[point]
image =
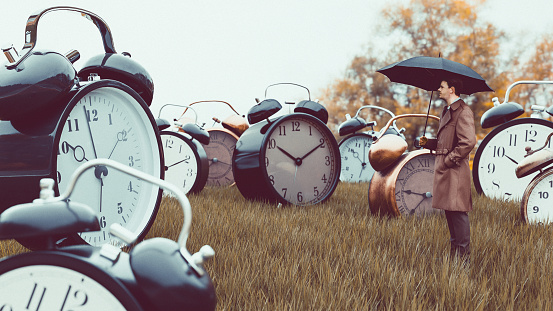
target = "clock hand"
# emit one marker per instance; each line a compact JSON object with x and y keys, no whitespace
{"x":121,"y":136}
{"x":287,"y":154}
{"x":90,"y":132}
{"x":100,"y":171}
{"x":312,"y":150}
{"x":167,"y":167}
{"x":75,"y":152}
{"x":411,"y":212}
{"x":215,"y":160}
{"x":508,"y":157}
{"x":356,"y":155}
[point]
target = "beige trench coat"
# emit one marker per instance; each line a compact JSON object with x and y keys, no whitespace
{"x":455,"y":140}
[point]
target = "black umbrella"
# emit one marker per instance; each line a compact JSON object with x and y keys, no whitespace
{"x":428,"y":72}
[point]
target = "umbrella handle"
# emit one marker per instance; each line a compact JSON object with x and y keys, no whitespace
{"x":403,"y":116}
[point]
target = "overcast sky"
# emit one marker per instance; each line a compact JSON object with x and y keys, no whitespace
{"x":232,"y":50}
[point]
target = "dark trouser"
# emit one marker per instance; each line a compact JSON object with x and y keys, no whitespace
{"x":459,"y":229}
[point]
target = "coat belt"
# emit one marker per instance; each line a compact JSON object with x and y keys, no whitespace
{"x":441,"y":151}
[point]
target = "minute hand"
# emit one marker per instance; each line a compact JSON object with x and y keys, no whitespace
{"x":312,"y":150}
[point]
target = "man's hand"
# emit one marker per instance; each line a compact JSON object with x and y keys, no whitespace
{"x":423,"y":140}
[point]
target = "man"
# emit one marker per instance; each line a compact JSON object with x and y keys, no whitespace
{"x":452,"y":183}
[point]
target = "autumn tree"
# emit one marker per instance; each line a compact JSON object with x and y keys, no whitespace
{"x":450,"y":29}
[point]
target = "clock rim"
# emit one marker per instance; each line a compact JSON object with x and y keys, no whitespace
{"x":74,"y":263}
{"x":261,"y":157}
{"x":526,"y":196}
{"x":382,"y":187}
{"x":82,"y":92}
{"x":224,"y":130}
{"x":361,"y":134}
{"x":201,"y":159}
{"x":490,"y":136}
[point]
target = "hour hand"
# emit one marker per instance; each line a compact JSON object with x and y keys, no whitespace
{"x":286,"y":153}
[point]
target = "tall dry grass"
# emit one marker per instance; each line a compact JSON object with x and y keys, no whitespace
{"x":338,"y":256}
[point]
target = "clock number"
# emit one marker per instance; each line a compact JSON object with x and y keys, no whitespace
{"x":536,"y":209}
{"x":109,"y":117}
{"x":496,"y":184}
{"x":327,"y":161}
{"x":296,"y":126}
{"x":186,"y":159}
{"x":324,"y":179}
{"x":272,"y":143}
{"x":498,"y":152}
{"x":551,"y":184}
{"x":424,"y":162}
{"x":73,"y":125}
{"x":131,"y":161}
{"x":410,"y":167}
{"x":315,"y":192}
{"x":58,"y":176}
{"x":189,"y":172}
{"x":530,"y":135}
{"x":512,"y":139}
{"x":272,"y":179}
{"x":300,"y":197}
{"x":491,"y":168}
{"x":284,"y":190}
{"x":322,"y":142}
{"x":310,"y":132}
{"x":130,"y":188}
{"x":64,"y":147}
{"x":543,"y":194}
{"x":282,"y":130}
{"x":33,"y":295}
{"x":119,"y":208}
{"x":398,"y":197}
{"x":76,"y":294}
{"x":169,"y":143}
{"x":94,"y":113}
{"x":122,"y":136}
{"x":184,"y":184}
{"x":266,"y":162}
{"x":103,"y":222}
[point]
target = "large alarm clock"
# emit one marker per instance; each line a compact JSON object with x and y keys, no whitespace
{"x":222,"y":142}
{"x":354,"y":148}
{"x":186,"y":163}
{"x":498,"y":155}
{"x":403,"y":181}
{"x":289,"y":159}
{"x":157,"y":274}
{"x":100,"y":112}
{"x":535,"y":205}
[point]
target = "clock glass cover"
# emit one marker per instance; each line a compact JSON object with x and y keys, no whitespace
{"x":219,"y":153}
{"x":302,"y":160}
{"x":500,"y":152}
{"x":107,"y":122}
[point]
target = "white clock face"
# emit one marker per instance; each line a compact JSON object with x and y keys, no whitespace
{"x":499,"y":154}
{"x":302,"y":160}
{"x":538,"y":208}
{"x":414,"y":184}
{"x":181,"y":162}
{"x":109,"y":123}
{"x":46,"y":287}
{"x":354,"y":153}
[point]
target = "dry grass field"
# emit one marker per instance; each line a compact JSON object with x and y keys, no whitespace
{"x":337,"y":256}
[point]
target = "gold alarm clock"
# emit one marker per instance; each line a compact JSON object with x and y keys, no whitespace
{"x":402,"y":182}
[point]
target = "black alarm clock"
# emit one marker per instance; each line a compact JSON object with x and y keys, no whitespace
{"x":54,"y":119}
{"x":157,"y":274}
{"x":288,"y":159}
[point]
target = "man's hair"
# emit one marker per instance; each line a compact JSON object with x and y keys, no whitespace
{"x":456,"y":83}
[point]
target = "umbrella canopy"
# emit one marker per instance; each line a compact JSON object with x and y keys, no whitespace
{"x":428,"y":72}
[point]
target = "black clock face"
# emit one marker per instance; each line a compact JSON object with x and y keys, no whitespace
{"x":185,"y":162}
{"x":500,"y":152}
{"x":302,"y":159}
{"x":49,"y":281}
{"x":109,"y":120}
{"x":354,"y":152}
